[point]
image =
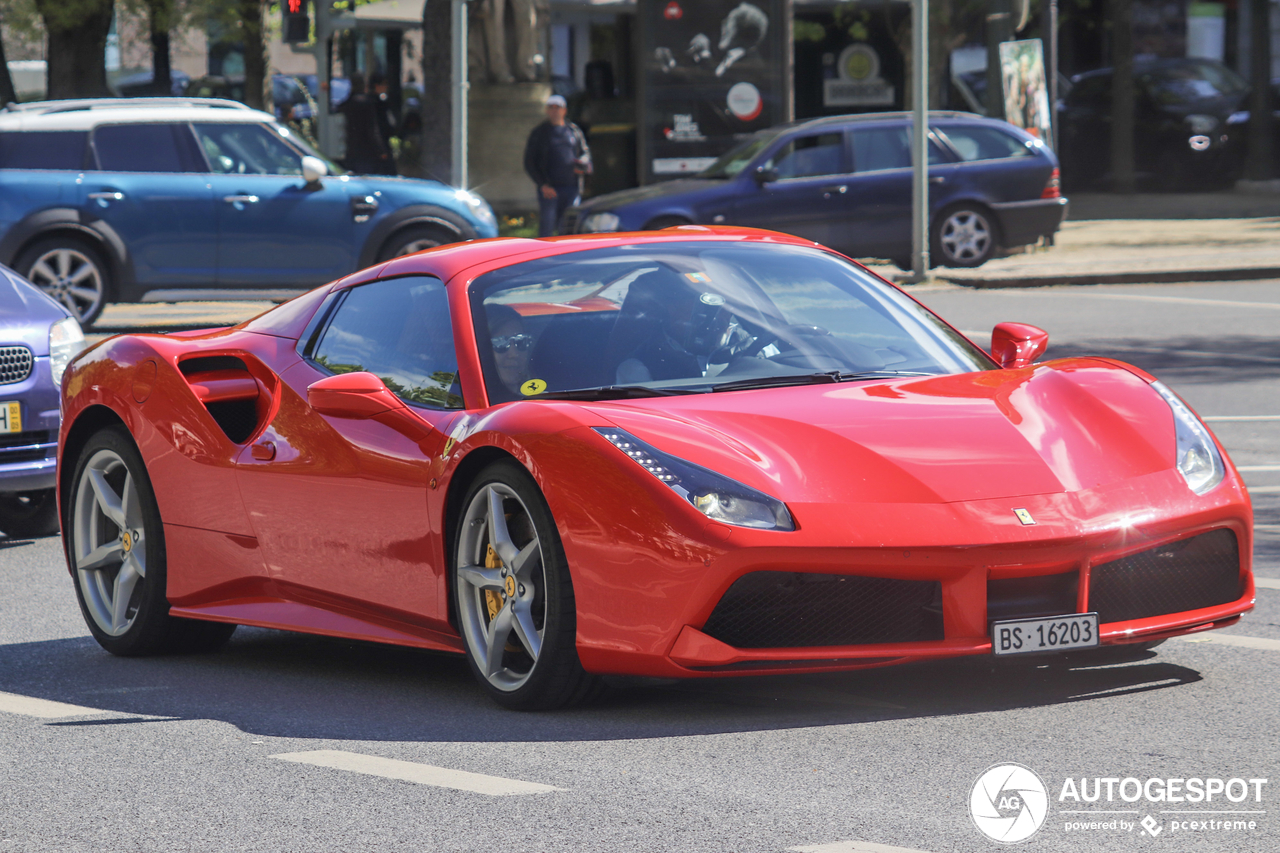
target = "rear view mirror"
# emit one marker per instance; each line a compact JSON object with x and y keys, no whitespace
{"x":1018,"y":344}
{"x":313,"y":169}
{"x":352,"y":395}
{"x":766,"y":176}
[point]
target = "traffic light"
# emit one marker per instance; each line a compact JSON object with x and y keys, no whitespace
{"x":297,"y":21}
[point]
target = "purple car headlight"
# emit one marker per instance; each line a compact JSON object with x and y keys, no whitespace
{"x":714,"y":495}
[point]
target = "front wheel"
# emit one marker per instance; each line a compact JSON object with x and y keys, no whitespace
{"x":964,"y":236}
{"x":72,"y":272}
{"x":514,"y":597}
{"x":115,"y":542}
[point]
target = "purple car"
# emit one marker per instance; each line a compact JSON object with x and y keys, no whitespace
{"x":38,"y":338}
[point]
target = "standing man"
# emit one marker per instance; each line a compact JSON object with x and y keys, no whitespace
{"x":556,"y":157}
{"x":367,"y":151}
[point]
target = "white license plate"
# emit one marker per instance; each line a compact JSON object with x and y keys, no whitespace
{"x":11,"y":417}
{"x":1051,"y":634}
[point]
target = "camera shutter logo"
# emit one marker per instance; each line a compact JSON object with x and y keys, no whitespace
{"x":1008,"y":803}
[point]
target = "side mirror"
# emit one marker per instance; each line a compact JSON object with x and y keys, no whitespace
{"x":1018,"y":344}
{"x":765,"y":176}
{"x":352,"y":395}
{"x":313,"y":169}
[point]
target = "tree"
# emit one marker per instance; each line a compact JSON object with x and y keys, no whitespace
{"x":437,"y":90}
{"x":160,"y":22}
{"x":77,"y":42}
{"x":7,"y":93}
{"x":252,"y":20}
{"x":1123,"y":95}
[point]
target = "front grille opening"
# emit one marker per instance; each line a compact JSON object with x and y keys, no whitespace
{"x":1203,"y":571}
{"x":1044,"y":595}
{"x":772,"y":610}
{"x":15,"y":364}
{"x":238,"y":418}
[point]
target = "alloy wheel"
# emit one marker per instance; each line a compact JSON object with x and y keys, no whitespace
{"x":71,"y":277}
{"x":501,"y":587}
{"x":109,"y":542}
{"x":966,"y":236}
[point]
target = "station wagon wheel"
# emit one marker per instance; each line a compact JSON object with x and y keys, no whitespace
{"x":115,"y":544}
{"x":964,"y":236}
{"x":513,"y":595}
{"x":416,"y":238}
{"x":72,"y":272}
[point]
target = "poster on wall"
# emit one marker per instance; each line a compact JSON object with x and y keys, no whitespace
{"x":1026,"y":94}
{"x":711,"y":73}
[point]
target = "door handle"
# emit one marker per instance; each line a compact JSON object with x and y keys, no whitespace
{"x":264,"y":451}
{"x":240,"y":199}
{"x":107,"y":195}
{"x":836,"y":188}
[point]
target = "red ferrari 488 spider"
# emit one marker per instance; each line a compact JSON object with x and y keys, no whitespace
{"x":695,"y":452}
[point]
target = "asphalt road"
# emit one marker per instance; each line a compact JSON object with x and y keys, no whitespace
{"x":385,"y":744}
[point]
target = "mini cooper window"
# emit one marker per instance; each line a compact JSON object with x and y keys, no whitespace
{"x":697,"y":317}
{"x":398,"y":330}
{"x":246,"y":149}
{"x":137,"y":148}
{"x":43,"y":149}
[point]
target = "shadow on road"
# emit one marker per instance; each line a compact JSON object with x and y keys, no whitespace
{"x":288,"y":685}
{"x":1189,"y":359}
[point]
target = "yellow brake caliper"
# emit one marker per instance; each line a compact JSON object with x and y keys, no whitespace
{"x":492,"y":598}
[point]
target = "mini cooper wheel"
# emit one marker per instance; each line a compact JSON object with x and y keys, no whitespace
{"x":72,"y":272}
{"x":513,"y":595}
{"x":417,"y":238}
{"x":964,"y":236}
{"x":115,"y":543}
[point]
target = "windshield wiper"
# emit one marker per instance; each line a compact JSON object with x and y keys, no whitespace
{"x":811,"y":379}
{"x":612,"y":392}
{"x":876,"y":374}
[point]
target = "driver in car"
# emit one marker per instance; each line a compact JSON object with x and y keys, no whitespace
{"x":668,"y":328}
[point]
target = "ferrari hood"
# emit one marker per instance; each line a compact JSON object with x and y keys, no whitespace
{"x":1059,"y":427}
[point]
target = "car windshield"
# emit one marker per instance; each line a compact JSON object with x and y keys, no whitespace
{"x":737,"y":158}
{"x":1192,"y":81}
{"x":697,"y":317}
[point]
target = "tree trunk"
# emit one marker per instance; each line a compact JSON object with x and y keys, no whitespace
{"x":1261,"y":120}
{"x":437,"y":100}
{"x":161,"y":22}
{"x":1122,"y":96}
{"x":255,"y":54}
{"x":7,"y":93}
{"x":77,"y":32}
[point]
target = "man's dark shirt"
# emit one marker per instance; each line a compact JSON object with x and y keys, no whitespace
{"x":553,"y":153}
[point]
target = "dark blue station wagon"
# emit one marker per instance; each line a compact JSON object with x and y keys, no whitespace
{"x":845,"y":182}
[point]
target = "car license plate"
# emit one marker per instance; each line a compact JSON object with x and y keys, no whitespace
{"x":11,"y":417}
{"x":1023,"y":636}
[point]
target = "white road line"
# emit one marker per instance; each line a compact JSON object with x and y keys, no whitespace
{"x":853,"y":847}
{"x":409,"y":771}
{"x":1258,"y":467}
{"x":29,"y":706}
{"x":1234,"y":640}
{"x":1179,"y":300}
{"x":1264,"y":490}
{"x":1241,"y":418}
{"x":1266,"y":583}
{"x":1268,"y":528}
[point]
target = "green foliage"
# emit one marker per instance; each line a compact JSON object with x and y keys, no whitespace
{"x":808,"y":31}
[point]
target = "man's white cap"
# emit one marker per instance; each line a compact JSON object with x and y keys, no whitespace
{"x":557,"y":101}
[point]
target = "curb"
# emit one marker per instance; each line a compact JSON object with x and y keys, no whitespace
{"x":1148,"y":277}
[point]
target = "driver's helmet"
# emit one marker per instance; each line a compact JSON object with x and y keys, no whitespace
{"x":689,"y":314}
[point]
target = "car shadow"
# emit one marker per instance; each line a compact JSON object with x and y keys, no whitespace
{"x":1189,"y":359}
{"x":278,"y":684}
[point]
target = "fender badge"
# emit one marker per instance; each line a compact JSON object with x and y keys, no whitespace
{"x":1024,"y":516}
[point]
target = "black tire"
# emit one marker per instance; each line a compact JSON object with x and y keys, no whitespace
{"x":964,"y":235}
{"x":102,"y":551}
{"x":665,"y":222}
{"x":29,"y":515}
{"x":551,"y":676}
{"x":415,"y":238}
{"x":72,"y":271}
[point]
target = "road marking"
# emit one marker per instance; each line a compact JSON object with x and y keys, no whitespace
{"x":1179,"y":300}
{"x":1269,"y":528}
{"x":1234,"y":640}
{"x":29,"y":706}
{"x":422,"y":774}
{"x":1266,"y":583}
{"x":1258,"y":467}
{"x":1263,"y":490}
{"x":1241,"y":418}
{"x":853,"y":847}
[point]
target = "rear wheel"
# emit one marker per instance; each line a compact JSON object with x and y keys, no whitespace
{"x":964,"y":235}
{"x":416,"y":238}
{"x":514,"y":597}
{"x":72,"y":272}
{"x":27,"y":515}
{"x":115,"y":542}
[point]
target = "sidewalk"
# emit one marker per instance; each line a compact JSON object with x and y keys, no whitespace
{"x":1145,"y":238}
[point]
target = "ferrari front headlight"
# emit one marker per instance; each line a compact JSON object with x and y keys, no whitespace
{"x":1197,"y":457}
{"x":714,"y":495}
{"x":65,"y":342}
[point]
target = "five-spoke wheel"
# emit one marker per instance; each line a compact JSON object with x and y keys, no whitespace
{"x":115,"y":542}
{"x":513,"y":594}
{"x":964,"y":236}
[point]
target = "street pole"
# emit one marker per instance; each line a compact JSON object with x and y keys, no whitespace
{"x":920,"y":140}
{"x":460,"y":87}
{"x":324,"y":120}
{"x":1051,"y":71}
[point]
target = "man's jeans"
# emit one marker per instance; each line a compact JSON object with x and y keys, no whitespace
{"x":551,"y":209}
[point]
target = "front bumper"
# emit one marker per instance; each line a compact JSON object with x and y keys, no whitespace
{"x":28,"y":459}
{"x":1023,"y":222}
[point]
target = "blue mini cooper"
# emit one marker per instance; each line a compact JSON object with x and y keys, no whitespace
{"x":166,"y":199}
